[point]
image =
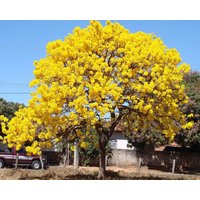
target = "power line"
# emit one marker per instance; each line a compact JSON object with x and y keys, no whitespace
{"x":11,"y":84}
{"x":8,"y":87}
{"x":14,"y":92}
{"x":20,"y":51}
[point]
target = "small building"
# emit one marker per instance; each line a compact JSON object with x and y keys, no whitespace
{"x":122,"y":153}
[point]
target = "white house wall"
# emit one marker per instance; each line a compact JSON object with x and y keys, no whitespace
{"x":122,"y":144}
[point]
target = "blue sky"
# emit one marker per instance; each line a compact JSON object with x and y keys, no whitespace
{"x":22,"y":42}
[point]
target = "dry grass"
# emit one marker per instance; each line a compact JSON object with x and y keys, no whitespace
{"x":90,"y":173}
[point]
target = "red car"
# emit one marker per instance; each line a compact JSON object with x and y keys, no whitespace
{"x":8,"y":157}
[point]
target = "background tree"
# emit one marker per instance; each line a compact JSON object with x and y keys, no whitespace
{"x":145,"y":137}
{"x":99,"y":72}
{"x":191,"y":137}
{"x":8,"y":109}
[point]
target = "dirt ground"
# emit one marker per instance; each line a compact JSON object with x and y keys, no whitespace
{"x":91,"y":173}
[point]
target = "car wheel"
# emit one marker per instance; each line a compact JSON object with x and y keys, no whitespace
{"x":36,"y":164}
{"x":2,"y":163}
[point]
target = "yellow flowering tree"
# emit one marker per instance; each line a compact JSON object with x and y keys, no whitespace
{"x":101,"y":72}
{"x":3,"y":123}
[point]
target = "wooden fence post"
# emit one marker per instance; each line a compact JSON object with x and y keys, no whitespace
{"x":17,"y":159}
{"x":68,"y":154}
{"x":106,"y":160}
{"x":139,"y":164}
{"x":173,"y":166}
{"x":42,"y":164}
{"x":64,"y":159}
{"x":76,"y":156}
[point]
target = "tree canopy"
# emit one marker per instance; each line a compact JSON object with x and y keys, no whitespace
{"x":101,"y":72}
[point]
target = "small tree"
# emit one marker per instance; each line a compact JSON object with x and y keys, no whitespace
{"x":99,"y":72}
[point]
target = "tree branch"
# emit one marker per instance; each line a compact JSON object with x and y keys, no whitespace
{"x":114,"y":124}
{"x":110,"y":58}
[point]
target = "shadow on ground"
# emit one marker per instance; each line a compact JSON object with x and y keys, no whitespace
{"x":109,"y":176}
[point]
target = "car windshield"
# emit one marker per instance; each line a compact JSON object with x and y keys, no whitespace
{"x":21,"y":151}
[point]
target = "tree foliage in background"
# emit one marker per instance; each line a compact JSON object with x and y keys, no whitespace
{"x":97,"y":72}
{"x":89,"y":152}
{"x":191,"y":137}
{"x":8,"y":109}
{"x":143,"y":137}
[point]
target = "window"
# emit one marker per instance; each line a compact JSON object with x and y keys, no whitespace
{"x":113,"y":144}
{"x":4,"y":148}
{"x":21,"y":151}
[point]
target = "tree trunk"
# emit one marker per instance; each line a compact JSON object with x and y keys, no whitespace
{"x":102,"y":156}
{"x":66,"y":155}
